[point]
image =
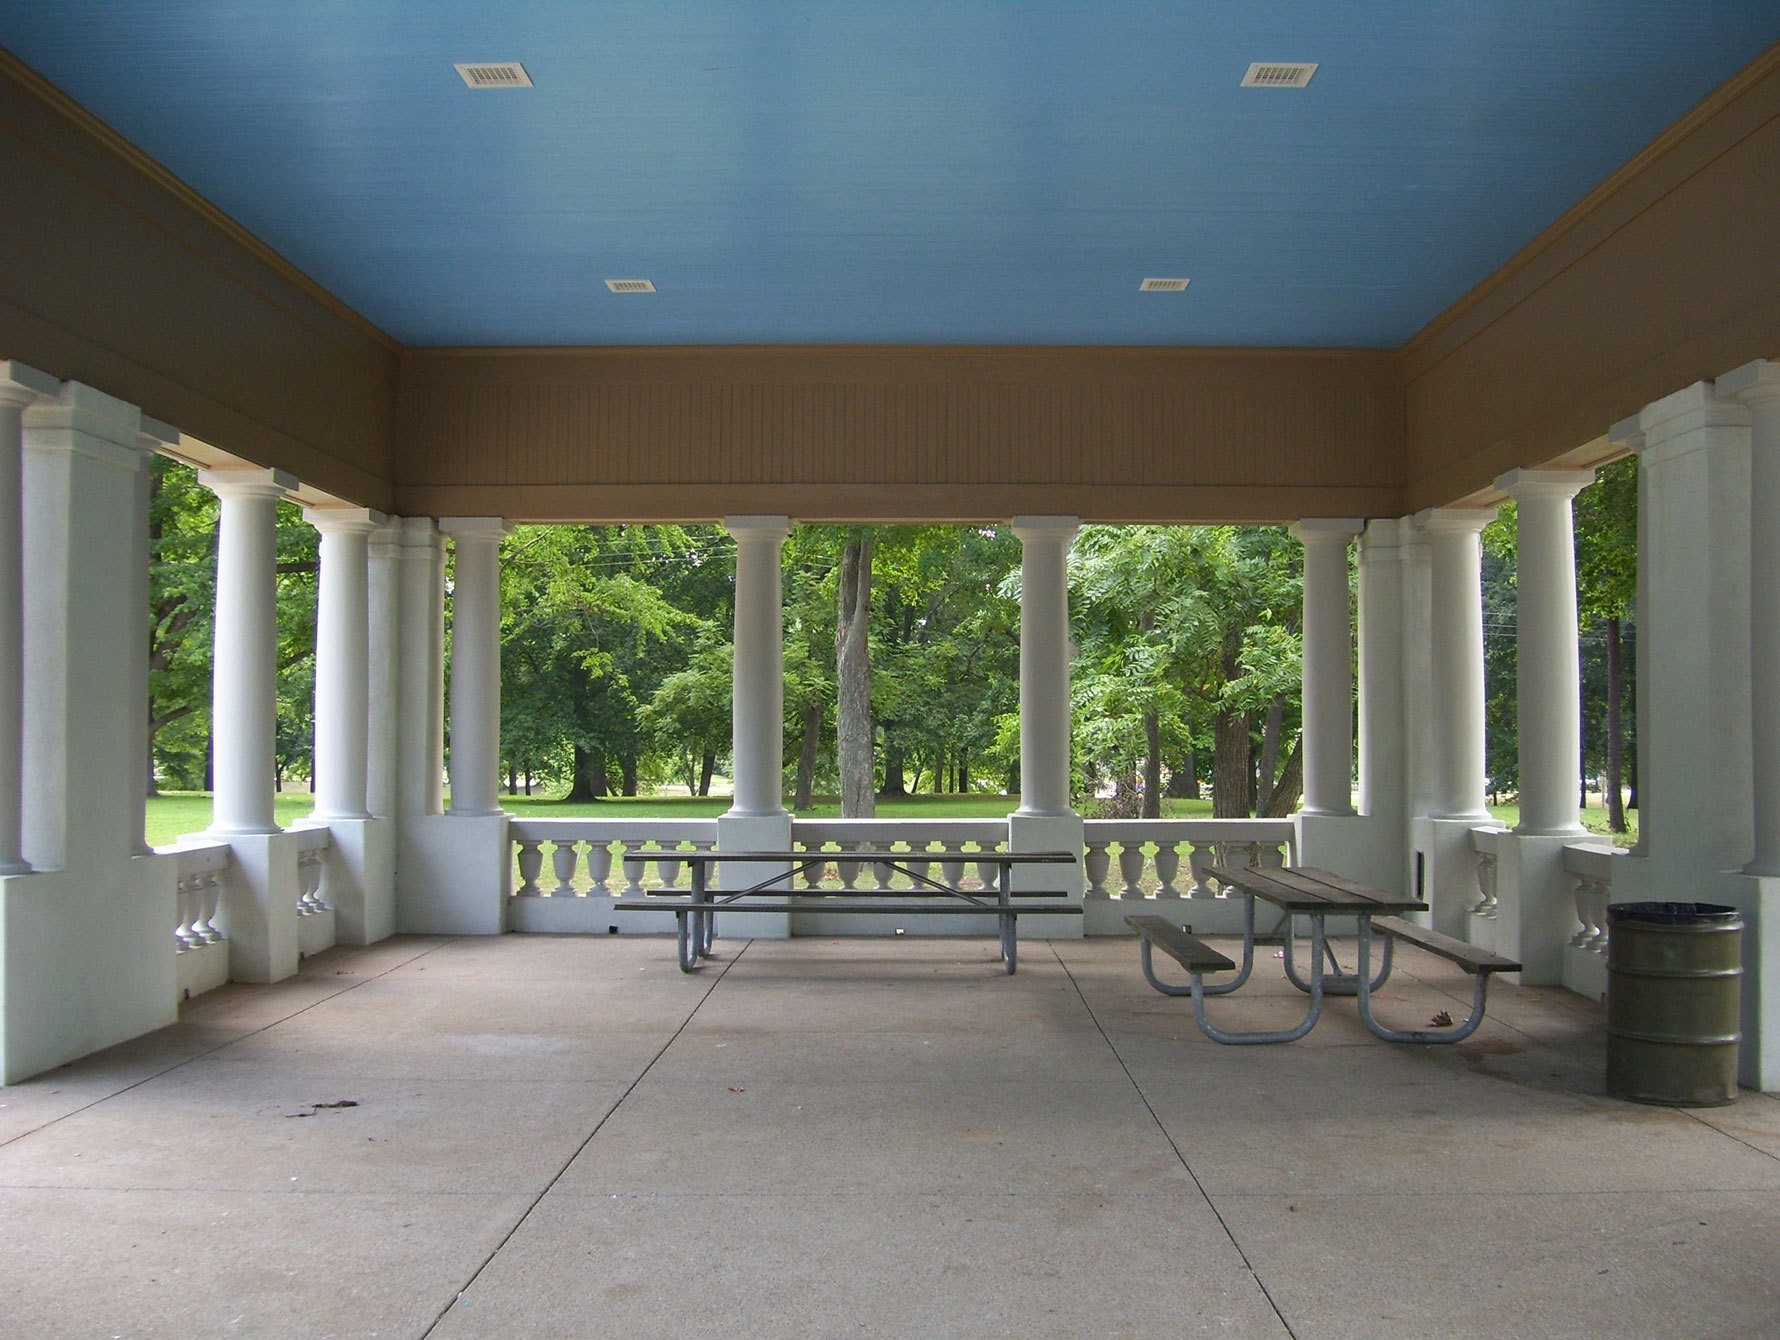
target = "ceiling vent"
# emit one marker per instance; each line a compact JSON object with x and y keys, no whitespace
{"x":631,"y":285}
{"x":1278,"y":74}
{"x":494,"y":74}
{"x":1163,"y":286}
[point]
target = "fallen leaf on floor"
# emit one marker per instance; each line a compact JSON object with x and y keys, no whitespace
{"x":1441,"y":1020}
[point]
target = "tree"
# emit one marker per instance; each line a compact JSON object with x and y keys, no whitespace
{"x":587,"y":636}
{"x":852,"y":658}
{"x":1607,"y":587}
{"x":182,"y":517}
{"x":1183,"y":628}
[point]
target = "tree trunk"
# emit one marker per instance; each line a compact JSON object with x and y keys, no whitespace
{"x":853,"y":731}
{"x":1615,"y":745}
{"x":707,"y":768}
{"x":1152,"y":764}
{"x":961,"y":774}
{"x":590,"y":775}
{"x":528,"y":781}
{"x":1183,"y":781}
{"x":1285,"y":794}
{"x":807,"y":755}
{"x":1276,"y":712}
{"x":627,"y":767}
{"x":893,"y":766}
{"x":1232,"y":773}
{"x":512,"y":779}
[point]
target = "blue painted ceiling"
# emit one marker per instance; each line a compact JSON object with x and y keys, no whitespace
{"x":866,"y":171}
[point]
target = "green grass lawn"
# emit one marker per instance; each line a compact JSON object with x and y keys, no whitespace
{"x":174,"y":813}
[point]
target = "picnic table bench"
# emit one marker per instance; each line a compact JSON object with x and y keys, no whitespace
{"x":1317,"y":894}
{"x":695,"y":909}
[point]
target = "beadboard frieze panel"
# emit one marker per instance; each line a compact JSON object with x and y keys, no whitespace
{"x":925,"y":433}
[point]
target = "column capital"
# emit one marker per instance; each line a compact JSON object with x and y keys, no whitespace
{"x":1384,"y":537}
{"x":1326,"y":529}
{"x":1455,"y":520}
{"x":1524,"y":484}
{"x":1046,"y":527}
{"x":461,"y":528}
{"x":248,"y":482}
{"x":344,"y":520}
{"x":1756,"y":383}
{"x":759,"y":527}
{"x":21,"y":385}
{"x":1693,"y":407}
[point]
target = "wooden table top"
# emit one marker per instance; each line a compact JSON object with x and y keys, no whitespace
{"x":1307,"y":888}
{"x":863,"y":855}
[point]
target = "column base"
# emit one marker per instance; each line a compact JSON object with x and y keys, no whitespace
{"x":86,"y":961}
{"x":1757,"y":897}
{"x":1049,"y":832}
{"x":361,"y":879}
{"x":1359,"y":846}
{"x":454,"y":874}
{"x":258,"y":910}
{"x":755,"y":832}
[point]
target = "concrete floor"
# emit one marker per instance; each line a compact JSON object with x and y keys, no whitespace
{"x":530,"y":1136}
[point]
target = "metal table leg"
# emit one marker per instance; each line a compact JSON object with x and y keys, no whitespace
{"x":1458,"y":1033}
{"x":1335,"y":983}
{"x":1315,"y":989}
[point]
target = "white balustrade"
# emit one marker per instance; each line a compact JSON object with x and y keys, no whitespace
{"x":200,"y":953}
{"x":581,"y":854}
{"x":1592,"y":866}
{"x":1483,"y":845}
{"x":1149,"y":851}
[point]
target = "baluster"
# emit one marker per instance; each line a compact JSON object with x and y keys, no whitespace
{"x":1197,"y":860}
{"x":953,"y":864}
{"x":599,"y":865}
{"x":1167,"y":867}
{"x":209,"y":900}
{"x":1486,"y":885}
{"x":1131,"y":868}
{"x":670,"y":870}
{"x":633,"y":875}
{"x":881,"y":873}
{"x":1599,"y":897}
{"x":919,"y":868}
{"x":1096,"y":863}
{"x":531,"y":862}
{"x":309,"y":902}
{"x":186,"y":914}
{"x":849,"y":870}
{"x":987,"y":871}
{"x":562,"y":861}
{"x":1584,"y":898}
{"x":1273,"y":855}
{"x":815,"y":870}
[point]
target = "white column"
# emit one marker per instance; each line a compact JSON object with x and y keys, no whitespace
{"x":1328,"y":677}
{"x":1757,"y":385}
{"x":1456,"y":660}
{"x":342,"y":660}
{"x":1548,"y":679}
{"x":476,"y":663}
{"x":245,"y":668}
{"x":421,"y":730}
{"x":1044,"y":662}
{"x":384,"y":616}
{"x":759,"y":680}
{"x":1383,"y":756}
{"x":19,"y":386}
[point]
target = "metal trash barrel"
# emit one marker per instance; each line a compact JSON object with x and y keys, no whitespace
{"x":1674,"y":979}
